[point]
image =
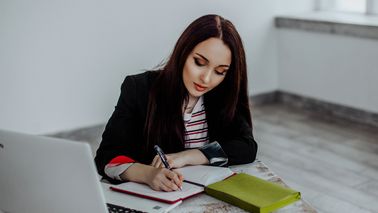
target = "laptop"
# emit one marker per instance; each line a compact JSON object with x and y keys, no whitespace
{"x":41,"y":174}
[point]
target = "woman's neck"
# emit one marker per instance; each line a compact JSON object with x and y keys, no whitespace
{"x":189,"y":106}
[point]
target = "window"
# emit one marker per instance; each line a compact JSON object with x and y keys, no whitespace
{"x":355,"y":6}
{"x":358,"y":6}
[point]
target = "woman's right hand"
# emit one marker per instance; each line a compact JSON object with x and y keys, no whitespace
{"x":159,"y":179}
{"x":162,"y":179}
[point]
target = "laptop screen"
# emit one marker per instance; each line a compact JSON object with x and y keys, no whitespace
{"x":42,"y":174}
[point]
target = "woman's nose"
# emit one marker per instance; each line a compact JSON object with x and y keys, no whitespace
{"x":206,"y":76}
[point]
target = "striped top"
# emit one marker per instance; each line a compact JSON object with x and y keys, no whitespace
{"x":196,"y":136}
{"x":196,"y":132}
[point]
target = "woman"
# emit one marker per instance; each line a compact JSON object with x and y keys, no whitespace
{"x":195,"y":108}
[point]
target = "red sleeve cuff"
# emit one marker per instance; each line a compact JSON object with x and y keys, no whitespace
{"x":121,"y":160}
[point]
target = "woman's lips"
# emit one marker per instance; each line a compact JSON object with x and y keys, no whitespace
{"x":199,"y":88}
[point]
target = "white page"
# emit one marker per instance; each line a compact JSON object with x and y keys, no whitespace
{"x":205,"y":175}
{"x":187,"y":190}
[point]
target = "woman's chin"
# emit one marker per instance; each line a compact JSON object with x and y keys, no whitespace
{"x":196,"y":93}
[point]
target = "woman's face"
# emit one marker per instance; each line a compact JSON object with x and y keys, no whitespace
{"x":206,"y":66}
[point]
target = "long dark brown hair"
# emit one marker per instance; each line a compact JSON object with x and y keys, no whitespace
{"x":164,"y":122}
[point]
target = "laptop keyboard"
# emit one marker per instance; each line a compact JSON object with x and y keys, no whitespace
{"x":119,"y":209}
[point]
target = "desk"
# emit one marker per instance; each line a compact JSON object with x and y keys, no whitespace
{"x":205,"y":203}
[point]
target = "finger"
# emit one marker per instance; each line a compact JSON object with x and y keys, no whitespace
{"x":154,"y":160}
{"x":166,"y":183}
{"x":174,"y":178}
{"x":170,"y":184}
{"x":181,"y":177}
{"x":158,"y":165}
{"x":164,"y":187}
{"x":157,"y":162}
{"x":178,"y":173}
{"x":177,"y":179}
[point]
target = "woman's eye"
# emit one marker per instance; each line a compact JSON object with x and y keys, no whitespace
{"x":220,"y":73}
{"x":198,"y":63}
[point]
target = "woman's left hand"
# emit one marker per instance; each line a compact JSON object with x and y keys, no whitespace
{"x":181,"y":159}
{"x":175,"y":160}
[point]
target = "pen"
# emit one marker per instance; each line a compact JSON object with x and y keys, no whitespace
{"x":197,"y":184}
{"x":163,"y":158}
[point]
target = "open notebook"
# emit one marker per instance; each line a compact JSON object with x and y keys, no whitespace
{"x":200,"y":175}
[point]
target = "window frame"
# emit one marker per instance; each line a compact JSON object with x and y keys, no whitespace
{"x":370,"y":9}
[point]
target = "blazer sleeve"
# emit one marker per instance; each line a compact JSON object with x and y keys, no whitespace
{"x":238,"y":142}
{"x":121,"y":135}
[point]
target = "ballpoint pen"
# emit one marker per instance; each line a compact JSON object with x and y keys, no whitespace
{"x":163,"y":158}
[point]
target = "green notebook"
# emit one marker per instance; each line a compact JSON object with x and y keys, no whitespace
{"x":252,"y":194}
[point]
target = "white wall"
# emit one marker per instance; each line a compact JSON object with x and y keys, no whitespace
{"x":62,"y":62}
{"x":333,"y":68}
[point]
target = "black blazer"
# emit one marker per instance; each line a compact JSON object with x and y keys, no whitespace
{"x":123,"y":133}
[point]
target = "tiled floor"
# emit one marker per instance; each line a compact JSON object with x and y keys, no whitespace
{"x":332,"y":162}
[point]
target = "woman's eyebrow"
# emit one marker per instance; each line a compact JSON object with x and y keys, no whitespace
{"x":204,"y":58}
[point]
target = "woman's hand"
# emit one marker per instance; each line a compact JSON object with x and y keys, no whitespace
{"x":175,"y":160}
{"x":162,"y":179}
{"x":181,"y":159}
{"x":159,"y":179}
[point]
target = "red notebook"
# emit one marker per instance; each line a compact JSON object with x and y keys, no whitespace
{"x":203,"y":175}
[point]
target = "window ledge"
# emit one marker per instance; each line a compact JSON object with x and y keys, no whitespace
{"x":355,"y":25}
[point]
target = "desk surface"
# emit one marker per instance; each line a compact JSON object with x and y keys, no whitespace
{"x":205,"y":203}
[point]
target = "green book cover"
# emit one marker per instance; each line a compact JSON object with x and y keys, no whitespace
{"x":252,"y":194}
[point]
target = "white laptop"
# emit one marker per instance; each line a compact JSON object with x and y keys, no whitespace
{"x":40,"y":174}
